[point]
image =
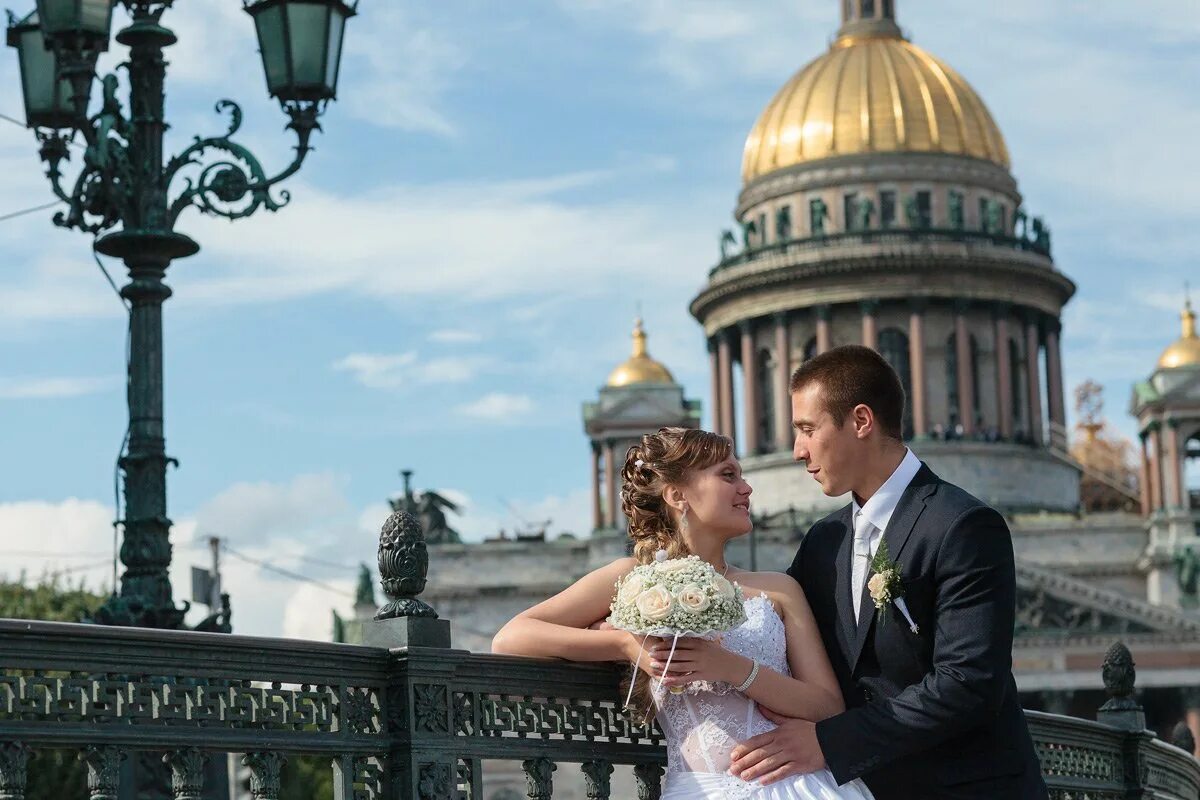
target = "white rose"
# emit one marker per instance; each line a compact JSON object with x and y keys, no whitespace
{"x":655,"y":604}
{"x":724,"y":588}
{"x":674,"y":565}
{"x":877,"y":586}
{"x":693,"y":598}
{"x":630,"y":589}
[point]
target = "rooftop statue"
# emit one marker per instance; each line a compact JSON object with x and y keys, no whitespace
{"x":783,"y":224}
{"x":863,"y":209}
{"x":818,"y":212}
{"x":728,"y":240}
{"x":957,"y":219}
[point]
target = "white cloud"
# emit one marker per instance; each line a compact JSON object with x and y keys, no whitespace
{"x":39,"y":537}
{"x":395,"y":371}
{"x":306,"y":509}
{"x":498,"y":407}
{"x":454,"y":336}
{"x":50,"y":388}
{"x":395,"y":70}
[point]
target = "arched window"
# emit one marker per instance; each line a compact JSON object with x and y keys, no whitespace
{"x":1016,"y":370}
{"x":766,"y":401}
{"x":810,"y":348}
{"x":893,"y":346}
{"x":952,"y":377}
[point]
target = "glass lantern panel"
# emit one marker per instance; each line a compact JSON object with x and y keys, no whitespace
{"x":96,"y":16}
{"x":336,"y":24}
{"x":57,"y":15}
{"x":308,"y":25}
{"x":47,"y":101}
{"x":271,"y":42}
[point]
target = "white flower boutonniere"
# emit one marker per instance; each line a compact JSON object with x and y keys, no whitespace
{"x":886,"y":587}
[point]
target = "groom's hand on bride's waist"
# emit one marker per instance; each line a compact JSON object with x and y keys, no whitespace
{"x":790,"y":749}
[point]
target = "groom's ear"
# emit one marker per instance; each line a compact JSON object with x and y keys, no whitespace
{"x":863,"y":420}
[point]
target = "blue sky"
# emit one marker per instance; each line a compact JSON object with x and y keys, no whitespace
{"x":497,"y":189}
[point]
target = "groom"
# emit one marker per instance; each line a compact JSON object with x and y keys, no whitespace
{"x":931,"y":714}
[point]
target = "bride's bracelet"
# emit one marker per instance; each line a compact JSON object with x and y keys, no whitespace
{"x":749,"y":679}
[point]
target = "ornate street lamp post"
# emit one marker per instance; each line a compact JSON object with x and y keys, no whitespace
{"x":129,"y":197}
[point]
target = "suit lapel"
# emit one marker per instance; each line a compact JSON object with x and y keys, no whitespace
{"x":842,"y":605}
{"x":899,"y":528}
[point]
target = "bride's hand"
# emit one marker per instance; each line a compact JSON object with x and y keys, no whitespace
{"x":697,"y":660}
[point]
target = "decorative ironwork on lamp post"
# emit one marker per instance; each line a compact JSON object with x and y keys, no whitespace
{"x":130,"y":197}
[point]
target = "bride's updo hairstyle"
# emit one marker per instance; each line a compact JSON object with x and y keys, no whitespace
{"x":663,"y":459}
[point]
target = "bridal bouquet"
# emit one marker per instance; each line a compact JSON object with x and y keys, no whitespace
{"x":677,"y":597}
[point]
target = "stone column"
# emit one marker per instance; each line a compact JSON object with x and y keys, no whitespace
{"x":1004,"y":376}
{"x":1054,"y":387}
{"x":1173,"y":466}
{"x":715,"y":388}
{"x":1144,"y":478}
{"x":824,"y":314}
{"x":725,"y":368}
{"x":1156,"y":493}
{"x":751,"y":406}
{"x":610,"y":478}
{"x":783,"y":403}
{"x":597,"y":514}
{"x":1031,"y":371}
{"x":966,"y":387}
{"x":916,"y":361}
{"x":870,"y":325}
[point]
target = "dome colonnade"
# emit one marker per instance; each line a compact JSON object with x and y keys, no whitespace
{"x":878,"y":208}
{"x":1167,"y":407}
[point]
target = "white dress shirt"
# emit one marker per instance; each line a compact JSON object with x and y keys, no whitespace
{"x":871,"y":520}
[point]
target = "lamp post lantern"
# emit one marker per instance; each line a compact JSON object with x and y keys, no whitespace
{"x":130,"y":196}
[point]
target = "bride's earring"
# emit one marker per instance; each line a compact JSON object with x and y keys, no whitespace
{"x":683,"y":520}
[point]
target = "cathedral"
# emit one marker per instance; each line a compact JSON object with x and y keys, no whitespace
{"x":878,"y":207}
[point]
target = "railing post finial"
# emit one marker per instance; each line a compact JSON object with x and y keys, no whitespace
{"x":1122,"y":709}
{"x":403,"y":568}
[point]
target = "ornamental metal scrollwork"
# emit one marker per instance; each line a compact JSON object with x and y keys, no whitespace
{"x":358,"y":706}
{"x":104,"y":771}
{"x":14,"y":763}
{"x":539,"y":773}
{"x":264,"y":774}
{"x":433,"y":782}
{"x":187,"y":772}
{"x":430,"y":707}
{"x":649,"y":781}
{"x":598,"y":777}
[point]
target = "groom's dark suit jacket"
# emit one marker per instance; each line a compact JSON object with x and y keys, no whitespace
{"x":932,"y":715}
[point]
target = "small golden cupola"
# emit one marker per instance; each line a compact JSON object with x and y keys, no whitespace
{"x":1185,"y":351}
{"x":640,"y":368}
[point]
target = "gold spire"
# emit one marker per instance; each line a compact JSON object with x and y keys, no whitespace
{"x":1185,"y":352}
{"x":640,"y":368}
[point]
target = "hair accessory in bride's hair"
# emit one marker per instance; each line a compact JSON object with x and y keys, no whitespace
{"x":639,"y":463}
{"x":660,"y":556}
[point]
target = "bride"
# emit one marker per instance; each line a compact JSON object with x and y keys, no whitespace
{"x":683,"y":492}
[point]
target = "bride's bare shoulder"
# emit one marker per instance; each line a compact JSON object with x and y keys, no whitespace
{"x":780,"y":587}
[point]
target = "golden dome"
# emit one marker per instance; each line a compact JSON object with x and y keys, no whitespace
{"x":875,"y":93}
{"x":640,"y":368}
{"x":1185,"y":352}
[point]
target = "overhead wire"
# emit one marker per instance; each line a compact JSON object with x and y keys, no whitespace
{"x":286,"y":573}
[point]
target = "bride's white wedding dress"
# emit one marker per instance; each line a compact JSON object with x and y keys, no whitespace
{"x":704,"y":723}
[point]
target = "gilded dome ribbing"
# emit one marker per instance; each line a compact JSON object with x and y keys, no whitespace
{"x":872,"y":94}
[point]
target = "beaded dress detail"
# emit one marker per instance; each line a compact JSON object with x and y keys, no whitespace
{"x":706,"y":721}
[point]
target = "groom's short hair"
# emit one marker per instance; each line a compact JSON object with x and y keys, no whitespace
{"x":851,"y":375}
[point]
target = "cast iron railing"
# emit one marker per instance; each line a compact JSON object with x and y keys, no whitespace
{"x":403,"y":720}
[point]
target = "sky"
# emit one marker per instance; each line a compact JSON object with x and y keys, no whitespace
{"x":496,"y":192}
